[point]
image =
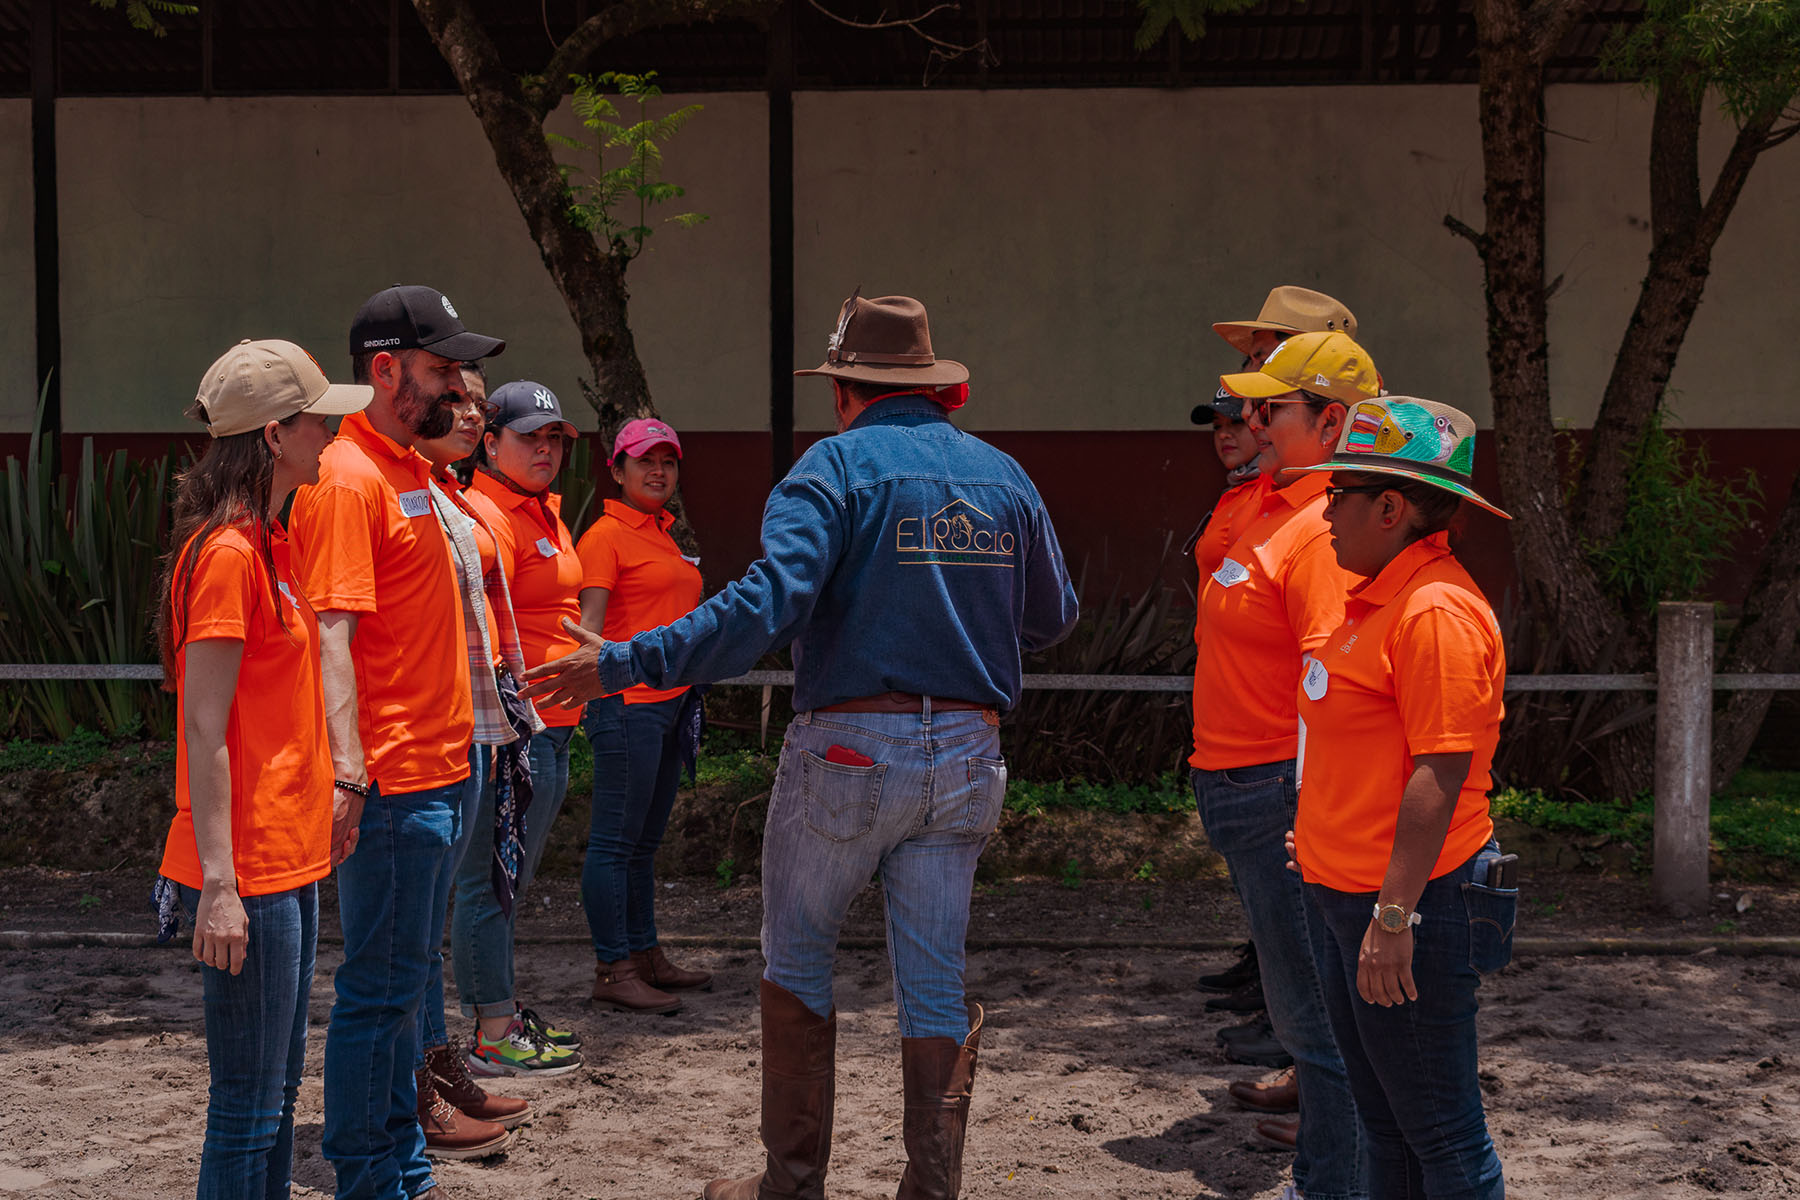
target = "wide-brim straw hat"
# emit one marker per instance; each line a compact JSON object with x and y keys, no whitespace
{"x":1408,"y":438}
{"x":1290,"y":310}
{"x":886,"y":340}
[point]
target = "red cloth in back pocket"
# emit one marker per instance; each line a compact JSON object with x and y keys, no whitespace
{"x":844,"y":756}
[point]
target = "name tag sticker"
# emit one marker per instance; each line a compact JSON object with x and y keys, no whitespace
{"x":1316,"y":680}
{"x":289,"y":593}
{"x":1231,"y":573}
{"x":546,"y":547}
{"x":415,"y":504}
{"x":692,"y":560}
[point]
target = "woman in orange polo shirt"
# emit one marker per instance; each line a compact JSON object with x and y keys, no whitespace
{"x":634,"y":578}
{"x":251,"y":836}
{"x":1274,"y":596}
{"x":1400,"y":712}
{"x":520,"y":456}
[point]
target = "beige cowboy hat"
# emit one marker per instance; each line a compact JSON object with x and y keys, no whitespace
{"x":1290,"y":310}
{"x":886,"y":340}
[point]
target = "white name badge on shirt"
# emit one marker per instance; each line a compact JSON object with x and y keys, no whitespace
{"x":288,"y":592}
{"x":1316,"y":679}
{"x":693,"y":560}
{"x":415,"y":504}
{"x":546,"y":547}
{"x":1231,"y":573}
{"x":1300,"y":758}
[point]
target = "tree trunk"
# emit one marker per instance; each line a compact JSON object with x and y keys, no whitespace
{"x":1763,"y":640}
{"x":592,"y":282}
{"x":1683,"y":233}
{"x":1562,"y":591}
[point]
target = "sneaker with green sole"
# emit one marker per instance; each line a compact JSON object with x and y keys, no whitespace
{"x":541,"y":1031}
{"x":517,"y":1052}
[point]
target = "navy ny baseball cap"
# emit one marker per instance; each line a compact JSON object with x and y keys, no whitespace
{"x":524,"y":407}
{"x":414,"y":317}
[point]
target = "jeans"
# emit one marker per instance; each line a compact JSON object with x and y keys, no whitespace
{"x":637,"y":768}
{"x":1413,"y":1066}
{"x":1247,"y":812}
{"x":920,"y":817}
{"x":433,"y":1031}
{"x":388,"y":901}
{"x":481,"y":936}
{"x":256,"y":1046}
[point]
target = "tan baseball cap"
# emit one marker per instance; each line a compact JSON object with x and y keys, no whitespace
{"x":1289,"y":310}
{"x":254,"y":383}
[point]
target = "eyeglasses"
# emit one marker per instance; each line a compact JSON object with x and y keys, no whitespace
{"x":1260,"y":408}
{"x":1357,"y":489}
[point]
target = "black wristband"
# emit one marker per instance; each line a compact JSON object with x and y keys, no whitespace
{"x":355,"y":789}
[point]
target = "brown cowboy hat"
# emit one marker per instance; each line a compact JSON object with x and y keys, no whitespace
{"x":1291,"y":309}
{"x":886,"y":340}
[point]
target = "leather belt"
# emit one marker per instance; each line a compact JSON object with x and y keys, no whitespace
{"x":902,"y":702}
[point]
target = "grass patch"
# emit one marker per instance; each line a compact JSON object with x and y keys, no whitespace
{"x":1759,"y":814}
{"x":1167,"y":795}
{"x":81,"y":749}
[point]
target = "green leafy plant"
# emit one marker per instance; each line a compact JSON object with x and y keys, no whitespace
{"x":79,"y":565}
{"x":1681,"y":520}
{"x":1072,"y":875}
{"x":88,"y":902}
{"x":614,"y":202}
{"x":725,"y":872}
{"x":1146,"y":872}
{"x":145,"y":15}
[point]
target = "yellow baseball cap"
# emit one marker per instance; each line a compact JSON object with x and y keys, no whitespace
{"x":254,"y":383}
{"x":1328,"y":364}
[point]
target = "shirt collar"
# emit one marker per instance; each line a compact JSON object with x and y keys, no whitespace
{"x":508,"y":497}
{"x":1399,"y":572}
{"x":894,"y":410}
{"x":359,"y":429}
{"x":622,"y":511}
{"x":1303,"y":490}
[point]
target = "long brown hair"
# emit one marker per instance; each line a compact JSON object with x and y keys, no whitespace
{"x":229,"y":486}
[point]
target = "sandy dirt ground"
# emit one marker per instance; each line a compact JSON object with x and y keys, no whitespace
{"x":1666,"y":1077}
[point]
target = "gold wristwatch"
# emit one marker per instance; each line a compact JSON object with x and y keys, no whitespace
{"x":1394,"y":918}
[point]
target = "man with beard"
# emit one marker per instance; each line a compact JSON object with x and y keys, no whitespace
{"x":373,"y":560}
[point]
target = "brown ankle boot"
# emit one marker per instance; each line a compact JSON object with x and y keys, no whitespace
{"x":799,"y":1085}
{"x":450,"y":1134}
{"x":450,"y":1072}
{"x":939,"y":1078}
{"x":655,"y":966}
{"x":618,"y":985}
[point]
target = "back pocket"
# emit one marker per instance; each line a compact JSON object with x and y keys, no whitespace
{"x":987,"y":795}
{"x":840,"y":799}
{"x":1493,"y":914}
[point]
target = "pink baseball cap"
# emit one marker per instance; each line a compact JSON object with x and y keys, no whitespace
{"x":639,"y":436}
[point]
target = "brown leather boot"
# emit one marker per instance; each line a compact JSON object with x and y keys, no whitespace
{"x":939,"y":1078}
{"x":1276,"y":1094}
{"x":799,"y":1085}
{"x":620,"y":986}
{"x":655,"y":966}
{"x":450,"y":1072}
{"x":450,"y":1134}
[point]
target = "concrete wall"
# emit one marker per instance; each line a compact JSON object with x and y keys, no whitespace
{"x":1073,"y":246}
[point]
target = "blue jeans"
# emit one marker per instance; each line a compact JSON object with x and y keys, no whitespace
{"x":481,"y":936}
{"x":389,"y":902}
{"x":1247,"y":812}
{"x":920,"y":817}
{"x":1413,"y":1066}
{"x":637,"y":769}
{"x":433,"y":1030}
{"x":256,"y":1046}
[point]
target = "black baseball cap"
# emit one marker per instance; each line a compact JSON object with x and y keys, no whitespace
{"x":523,"y":407}
{"x":1223,"y":404}
{"x":414,"y":317}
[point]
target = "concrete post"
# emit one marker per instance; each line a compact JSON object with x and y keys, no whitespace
{"x":1684,"y":699}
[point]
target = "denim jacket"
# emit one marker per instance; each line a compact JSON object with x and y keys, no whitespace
{"x":901,"y":555}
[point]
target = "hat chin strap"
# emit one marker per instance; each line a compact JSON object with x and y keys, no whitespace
{"x":952,"y":396}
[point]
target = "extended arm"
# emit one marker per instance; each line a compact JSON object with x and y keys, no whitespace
{"x":221,"y":929}
{"x":338,"y":674}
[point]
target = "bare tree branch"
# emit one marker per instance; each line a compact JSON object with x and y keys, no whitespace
{"x":1463,"y":230}
{"x":945,"y":49}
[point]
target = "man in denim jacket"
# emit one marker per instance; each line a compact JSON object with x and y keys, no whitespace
{"x":909,"y":564}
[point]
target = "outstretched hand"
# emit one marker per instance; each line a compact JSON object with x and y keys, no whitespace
{"x":572,"y":679}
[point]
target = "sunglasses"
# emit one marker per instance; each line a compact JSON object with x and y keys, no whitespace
{"x":1357,"y":489}
{"x":1261,"y":408}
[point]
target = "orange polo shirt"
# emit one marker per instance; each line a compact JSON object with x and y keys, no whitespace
{"x":631,"y":554}
{"x":369,"y":543}
{"x":1417,"y":667}
{"x":543,"y":573}
{"x":1275,"y":595}
{"x":1235,"y":508}
{"x":280,"y":761}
